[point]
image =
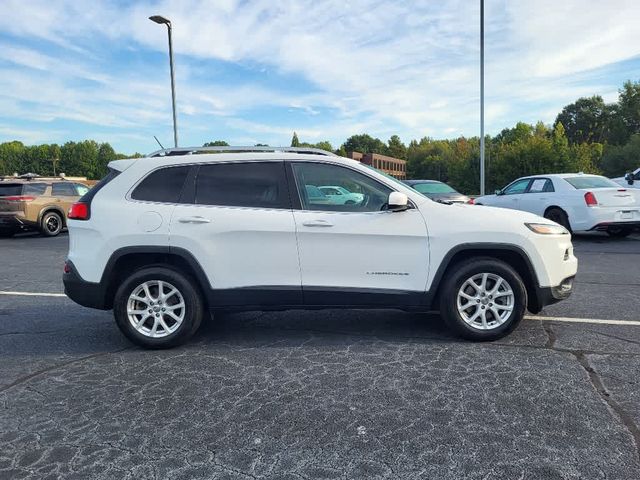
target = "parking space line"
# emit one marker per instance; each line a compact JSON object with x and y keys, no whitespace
{"x":527,"y":317}
{"x":584,"y":320}
{"x":32,"y":294}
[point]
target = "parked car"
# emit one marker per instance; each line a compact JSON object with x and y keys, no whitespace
{"x":578,"y":202}
{"x":235,"y":231}
{"x":30,"y":202}
{"x":340,"y":196}
{"x":630,"y":180}
{"x":316,"y":196}
{"x":438,"y":191}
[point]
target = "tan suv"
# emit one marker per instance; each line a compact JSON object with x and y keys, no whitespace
{"x":29,"y":202}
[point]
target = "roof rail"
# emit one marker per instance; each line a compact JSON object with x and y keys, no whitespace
{"x":192,"y":150}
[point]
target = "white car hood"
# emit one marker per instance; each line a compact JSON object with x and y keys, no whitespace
{"x":496,"y":219}
{"x":621,"y":181}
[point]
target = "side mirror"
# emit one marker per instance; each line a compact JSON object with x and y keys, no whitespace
{"x":629,"y":177}
{"x":499,"y":192}
{"x":398,"y":202}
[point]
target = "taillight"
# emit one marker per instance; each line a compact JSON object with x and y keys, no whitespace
{"x":590,"y":199}
{"x":471,"y":201}
{"x":19,"y":198}
{"x":79,"y":211}
{"x":66,"y":268}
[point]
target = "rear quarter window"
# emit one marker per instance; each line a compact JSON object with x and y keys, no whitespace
{"x":163,"y":185}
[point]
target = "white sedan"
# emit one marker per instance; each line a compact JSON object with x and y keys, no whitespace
{"x":576,"y":201}
{"x":341,"y":196}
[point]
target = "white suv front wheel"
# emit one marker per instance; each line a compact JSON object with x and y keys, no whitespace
{"x":158,"y":308}
{"x":483,"y":299}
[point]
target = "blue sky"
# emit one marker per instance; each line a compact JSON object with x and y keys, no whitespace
{"x":254,"y":71}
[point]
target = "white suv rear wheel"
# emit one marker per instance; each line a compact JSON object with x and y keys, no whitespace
{"x":158,"y":307}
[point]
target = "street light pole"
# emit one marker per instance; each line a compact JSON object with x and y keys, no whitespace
{"x":481,"y":97}
{"x":162,"y":20}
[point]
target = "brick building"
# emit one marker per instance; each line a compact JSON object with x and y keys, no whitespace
{"x":389,"y":165}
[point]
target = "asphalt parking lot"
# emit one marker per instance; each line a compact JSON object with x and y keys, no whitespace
{"x":321,"y":395}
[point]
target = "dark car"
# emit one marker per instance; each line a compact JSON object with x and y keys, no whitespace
{"x":438,"y":191}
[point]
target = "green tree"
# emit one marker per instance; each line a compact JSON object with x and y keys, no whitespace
{"x":365,"y":143}
{"x":294,"y":140}
{"x":629,"y":107}
{"x":620,"y":159}
{"x":395,"y":147}
{"x":586,"y":120}
{"x":323,"y":145}
{"x":216,"y":143}
{"x":11,"y":157}
{"x":106,"y":154}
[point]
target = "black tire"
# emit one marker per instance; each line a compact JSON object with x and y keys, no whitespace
{"x":467,"y":269}
{"x":193,"y":307}
{"x":619,"y":232}
{"x":51,"y":224}
{"x":559,"y":216}
{"x":7,"y":233}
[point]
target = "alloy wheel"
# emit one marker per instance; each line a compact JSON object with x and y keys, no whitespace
{"x":156,"y":308}
{"x":52,"y":224}
{"x":485,"y":301}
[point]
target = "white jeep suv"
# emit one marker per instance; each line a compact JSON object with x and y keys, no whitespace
{"x":162,"y":239}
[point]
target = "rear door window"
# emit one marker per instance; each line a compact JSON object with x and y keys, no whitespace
{"x":246,"y":184}
{"x":163,"y":185}
{"x":63,"y":190}
{"x":34,"y":189}
{"x":540,"y":185}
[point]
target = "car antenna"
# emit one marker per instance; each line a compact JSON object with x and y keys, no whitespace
{"x":158,"y":142}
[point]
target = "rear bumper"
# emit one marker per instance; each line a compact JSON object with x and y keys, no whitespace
{"x":550,"y":295}
{"x":87,"y":294}
{"x":603,"y":226}
{"x":12,"y":221}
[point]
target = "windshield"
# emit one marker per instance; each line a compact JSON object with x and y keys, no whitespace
{"x":583,"y":183}
{"x":435,"y":187}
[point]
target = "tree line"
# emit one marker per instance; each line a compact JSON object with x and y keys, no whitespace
{"x":588,"y":135}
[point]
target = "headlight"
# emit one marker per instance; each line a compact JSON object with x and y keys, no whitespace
{"x":547,"y":229}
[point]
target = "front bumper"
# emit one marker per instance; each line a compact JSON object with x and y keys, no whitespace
{"x":87,"y":294}
{"x":550,"y":295}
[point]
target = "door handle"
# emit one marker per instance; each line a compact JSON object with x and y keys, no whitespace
{"x":317,"y":223}
{"x":194,"y":220}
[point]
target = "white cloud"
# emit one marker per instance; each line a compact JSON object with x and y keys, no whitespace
{"x":392,"y":67}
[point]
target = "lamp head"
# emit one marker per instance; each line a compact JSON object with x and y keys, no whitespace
{"x":159,"y":19}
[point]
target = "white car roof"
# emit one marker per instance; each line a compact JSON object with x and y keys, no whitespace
{"x":225,"y":157}
{"x":562,"y":175}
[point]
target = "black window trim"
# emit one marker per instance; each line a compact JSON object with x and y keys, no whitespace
{"x":188,"y":188}
{"x":285,"y":179}
{"x":296,"y":188}
{"x":533,"y":179}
